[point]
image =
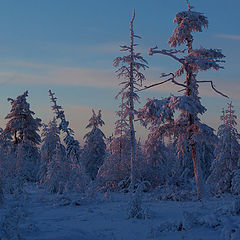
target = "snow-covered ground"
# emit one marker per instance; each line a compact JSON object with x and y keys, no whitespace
{"x":44,"y":216}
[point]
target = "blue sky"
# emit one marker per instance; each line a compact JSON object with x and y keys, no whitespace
{"x":69,"y":45}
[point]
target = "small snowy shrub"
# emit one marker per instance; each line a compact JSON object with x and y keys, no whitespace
{"x":135,"y":208}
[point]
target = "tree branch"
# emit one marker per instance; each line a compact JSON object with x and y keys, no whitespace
{"x":169,"y":53}
{"x":167,"y":80}
{"x":213,"y":87}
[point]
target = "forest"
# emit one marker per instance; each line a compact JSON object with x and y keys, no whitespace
{"x":182,"y":182}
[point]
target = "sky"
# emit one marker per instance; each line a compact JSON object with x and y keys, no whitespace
{"x":68,"y":46}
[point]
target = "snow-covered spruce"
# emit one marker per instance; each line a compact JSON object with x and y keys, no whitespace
{"x":225,"y":164}
{"x":77,"y":178}
{"x":51,"y":138}
{"x":191,"y":133}
{"x":94,"y":147}
{"x":23,"y":128}
{"x":58,"y":171}
{"x":116,"y":166}
{"x":114,"y":174}
{"x":129,"y":68}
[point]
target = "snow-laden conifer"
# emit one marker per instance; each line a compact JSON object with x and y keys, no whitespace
{"x":157,"y":167}
{"x":129,"y":68}
{"x":58,"y":171}
{"x":116,"y":166}
{"x":190,"y":132}
{"x":95,"y":147}
{"x":21,"y":124}
{"x":50,"y":141}
{"x":227,"y":152}
{"x":77,"y":177}
{"x":23,"y":128}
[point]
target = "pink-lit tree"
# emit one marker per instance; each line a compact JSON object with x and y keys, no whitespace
{"x":77,"y":178}
{"x":129,"y":68}
{"x":190,"y":133}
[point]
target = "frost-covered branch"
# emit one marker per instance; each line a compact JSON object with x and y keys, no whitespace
{"x":171,"y":53}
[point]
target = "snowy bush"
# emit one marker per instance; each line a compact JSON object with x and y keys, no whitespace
{"x":135,"y":207}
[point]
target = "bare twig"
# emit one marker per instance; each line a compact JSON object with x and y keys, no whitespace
{"x":213,"y":87}
{"x":153,"y":85}
{"x":167,"y":80}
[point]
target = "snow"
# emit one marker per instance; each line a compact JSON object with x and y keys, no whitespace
{"x":47,"y":216}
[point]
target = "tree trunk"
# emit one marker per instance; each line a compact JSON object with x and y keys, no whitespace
{"x":131,"y":113}
{"x":192,"y":145}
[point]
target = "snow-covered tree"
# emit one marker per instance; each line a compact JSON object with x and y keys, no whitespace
{"x":157,"y":166}
{"x":129,"y":68}
{"x":77,"y":179}
{"x":116,"y":166}
{"x":227,"y":152}
{"x":58,"y":171}
{"x":73,"y":148}
{"x":21,"y":125}
{"x":187,"y":126}
{"x":51,"y":139}
{"x":23,"y":128}
{"x":95,"y":148}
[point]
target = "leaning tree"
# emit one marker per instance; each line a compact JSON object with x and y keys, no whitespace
{"x":77,"y":179}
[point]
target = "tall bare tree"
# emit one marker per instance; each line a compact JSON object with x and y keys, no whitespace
{"x":129,"y":68}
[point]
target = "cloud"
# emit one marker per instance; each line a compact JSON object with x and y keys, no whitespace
{"x":46,"y":74}
{"x":228,"y":36}
{"x":37,"y":73}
